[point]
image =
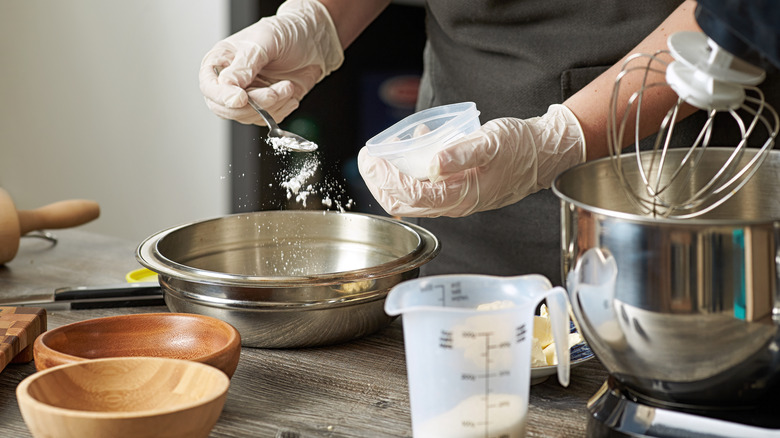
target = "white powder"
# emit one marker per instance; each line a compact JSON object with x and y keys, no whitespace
{"x":299,"y":179}
{"x":295,"y":182}
{"x":496,"y":305}
{"x":505,"y":417}
{"x":284,"y":144}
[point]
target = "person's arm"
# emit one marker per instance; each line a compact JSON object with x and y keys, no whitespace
{"x":352,"y":17}
{"x":591,"y":104}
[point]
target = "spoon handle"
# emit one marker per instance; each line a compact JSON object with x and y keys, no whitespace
{"x":267,"y":117}
{"x":62,"y":214}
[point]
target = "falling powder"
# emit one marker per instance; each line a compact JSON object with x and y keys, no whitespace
{"x":294,"y":184}
{"x":299,"y":180}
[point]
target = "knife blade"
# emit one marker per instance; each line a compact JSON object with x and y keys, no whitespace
{"x":94,"y":297}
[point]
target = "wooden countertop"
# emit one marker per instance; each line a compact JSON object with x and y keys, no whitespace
{"x":357,"y":389}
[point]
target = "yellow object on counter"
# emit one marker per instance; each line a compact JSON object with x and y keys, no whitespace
{"x":140,"y":275}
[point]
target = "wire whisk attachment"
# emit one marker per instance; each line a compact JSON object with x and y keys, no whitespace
{"x":685,"y":185}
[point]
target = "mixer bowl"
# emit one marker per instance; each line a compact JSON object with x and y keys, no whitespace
{"x":681,"y":311}
{"x":288,"y":279}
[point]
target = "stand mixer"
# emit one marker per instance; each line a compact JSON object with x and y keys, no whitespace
{"x":675,"y":281}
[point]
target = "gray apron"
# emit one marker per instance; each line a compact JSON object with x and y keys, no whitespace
{"x":514,"y":59}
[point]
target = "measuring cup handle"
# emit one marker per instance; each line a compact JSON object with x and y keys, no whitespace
{"x":558,"y":308}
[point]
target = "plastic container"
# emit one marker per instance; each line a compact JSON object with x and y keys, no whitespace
{"x":411,"y":143}
{"x":468,"y":350}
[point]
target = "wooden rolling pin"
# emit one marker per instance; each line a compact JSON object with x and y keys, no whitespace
{"x":16,"y":223}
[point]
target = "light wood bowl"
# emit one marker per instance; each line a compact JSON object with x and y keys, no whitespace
{"x":124,"y":397}
{"x":192,"y":337}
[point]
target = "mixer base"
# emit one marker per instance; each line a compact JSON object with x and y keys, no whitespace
{"x":614,"y":413}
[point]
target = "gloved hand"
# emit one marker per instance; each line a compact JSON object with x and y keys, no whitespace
{"x":504,"y":161}
{"x":276,"y":60}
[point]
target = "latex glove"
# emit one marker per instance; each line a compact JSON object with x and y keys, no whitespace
{"x":276,"y":60}
{"x":504,"y":161}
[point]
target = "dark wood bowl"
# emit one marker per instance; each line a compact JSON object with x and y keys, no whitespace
{"x":186,"y":336}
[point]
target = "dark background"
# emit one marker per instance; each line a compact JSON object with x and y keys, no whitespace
{"x":340,"y":114}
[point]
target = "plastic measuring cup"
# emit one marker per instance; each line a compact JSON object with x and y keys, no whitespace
{"x":468,"y":350}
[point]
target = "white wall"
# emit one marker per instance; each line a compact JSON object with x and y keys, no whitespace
{"x":99,"y":99}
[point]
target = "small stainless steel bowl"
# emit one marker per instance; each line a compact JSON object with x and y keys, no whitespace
{"x":288,"y":278}
{"x":683,"y":312}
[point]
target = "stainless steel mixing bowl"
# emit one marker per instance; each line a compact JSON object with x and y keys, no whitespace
{"x":288,"y":278}
{"x":682,"y":312}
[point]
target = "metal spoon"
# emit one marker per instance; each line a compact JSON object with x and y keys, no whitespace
{"x":278,"y":137}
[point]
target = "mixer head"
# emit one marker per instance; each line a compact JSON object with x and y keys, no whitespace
{"x":710,"y":79}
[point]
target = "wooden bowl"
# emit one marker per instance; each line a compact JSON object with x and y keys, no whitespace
{"x":174,"y":335}
{"x":123,"y":397}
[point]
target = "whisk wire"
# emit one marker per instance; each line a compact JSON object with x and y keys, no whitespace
{"x":617,"y":125}
{"x":681,"y":188}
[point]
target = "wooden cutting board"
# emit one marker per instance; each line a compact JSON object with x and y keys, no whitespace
{"x":19,"y":326}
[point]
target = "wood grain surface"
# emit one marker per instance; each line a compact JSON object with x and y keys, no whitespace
{"x":197,"y":338}
{"x":356,"y":389}
{"x":19,"y":327}
{"x":124,"y":397}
